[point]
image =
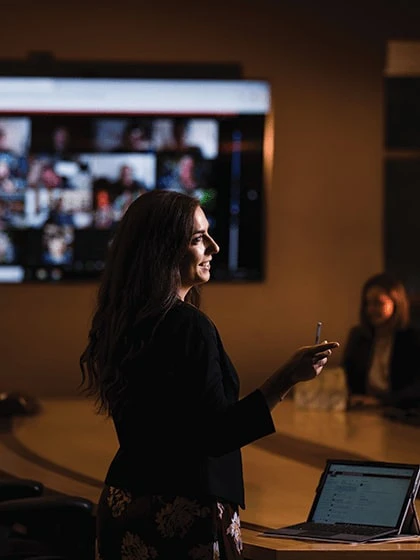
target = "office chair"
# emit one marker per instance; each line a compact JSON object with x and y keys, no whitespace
{"x":58,"y":527}
{"x":15,"y":488}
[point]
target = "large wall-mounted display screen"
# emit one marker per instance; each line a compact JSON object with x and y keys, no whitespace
{"x":75,"y":152}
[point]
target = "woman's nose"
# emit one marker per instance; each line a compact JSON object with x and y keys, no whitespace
{"x":213,"y":246}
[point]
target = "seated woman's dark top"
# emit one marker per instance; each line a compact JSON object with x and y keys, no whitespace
{"x":182,"y":427}
{"x":404,"y":364}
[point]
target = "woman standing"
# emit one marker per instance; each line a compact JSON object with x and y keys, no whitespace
{"x":157,"y":366}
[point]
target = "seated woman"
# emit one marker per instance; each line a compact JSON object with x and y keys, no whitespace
{"x":382,"y":355}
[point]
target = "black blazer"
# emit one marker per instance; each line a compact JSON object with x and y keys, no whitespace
{"x":183,"y":425}
{"x":404,"y":361}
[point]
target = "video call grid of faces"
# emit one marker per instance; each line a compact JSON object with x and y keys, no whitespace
{"x":66,"y":180}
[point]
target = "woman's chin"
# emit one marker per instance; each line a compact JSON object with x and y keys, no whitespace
{"x":204,"y":276}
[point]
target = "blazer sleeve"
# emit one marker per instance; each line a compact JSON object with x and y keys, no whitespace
{"x":220,"y":422}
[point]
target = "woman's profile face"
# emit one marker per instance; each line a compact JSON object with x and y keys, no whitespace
{"x":379,"y":306}
{"x":195,"y":268}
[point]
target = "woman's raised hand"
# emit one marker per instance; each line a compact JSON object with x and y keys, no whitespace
{"x":305,"y":364}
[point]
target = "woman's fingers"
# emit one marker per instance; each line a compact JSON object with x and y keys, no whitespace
{"x":321,"y":362}
{"x":325,"y":345}
{"x":323,"y":349}
{"x":324,"y":353}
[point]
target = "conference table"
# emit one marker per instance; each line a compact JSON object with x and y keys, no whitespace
{"x":68,"y":448}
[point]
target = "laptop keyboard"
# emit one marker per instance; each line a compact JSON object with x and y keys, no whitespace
{"x":331,"y":529}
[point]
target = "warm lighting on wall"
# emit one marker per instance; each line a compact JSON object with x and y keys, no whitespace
{"x":402,"y":58}
{"x":269,"y":149}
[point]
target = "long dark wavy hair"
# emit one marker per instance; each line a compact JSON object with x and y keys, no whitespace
{"x":140,"y":281}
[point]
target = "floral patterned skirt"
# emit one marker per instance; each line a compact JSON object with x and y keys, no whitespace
{"x":165,"y":528}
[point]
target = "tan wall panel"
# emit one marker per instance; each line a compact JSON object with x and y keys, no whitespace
{"x":324,"y":197}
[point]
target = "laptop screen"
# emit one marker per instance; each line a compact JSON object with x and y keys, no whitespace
{"x":364,"y":493}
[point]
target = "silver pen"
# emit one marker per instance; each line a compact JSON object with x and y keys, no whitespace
{"x":318,"y":332}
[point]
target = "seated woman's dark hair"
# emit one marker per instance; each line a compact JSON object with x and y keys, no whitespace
{"x":140,"y":281}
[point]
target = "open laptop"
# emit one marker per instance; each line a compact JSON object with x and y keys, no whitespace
{"x":358,"y":501}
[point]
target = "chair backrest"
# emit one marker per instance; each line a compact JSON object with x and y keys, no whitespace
{"x":64,"y":524}
{"x":16,"y":488}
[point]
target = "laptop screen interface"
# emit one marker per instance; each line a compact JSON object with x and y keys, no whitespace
{"x":364,"y":495}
